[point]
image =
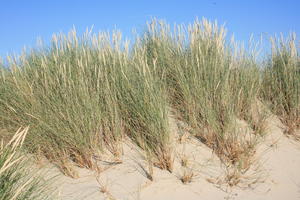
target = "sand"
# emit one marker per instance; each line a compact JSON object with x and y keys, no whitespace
{"x":274,"y":175}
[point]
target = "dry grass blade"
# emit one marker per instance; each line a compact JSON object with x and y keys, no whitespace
{"x":17,"y":181}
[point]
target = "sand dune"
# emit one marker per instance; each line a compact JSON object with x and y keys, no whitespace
{"x":274,"y":175}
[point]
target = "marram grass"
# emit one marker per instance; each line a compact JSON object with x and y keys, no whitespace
{"x":208,"y":85}
{"x":17,"y":181}
{"x":281,"y":81}
{"x":83,"y":94}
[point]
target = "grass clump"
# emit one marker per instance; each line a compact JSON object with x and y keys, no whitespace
{"x":209,"y":86}
{"x":66,"y":94}
{"x":81,"y":95}
{"x":144,"y":106}
{"x":281,"y":81}
{"x":17,"y":182}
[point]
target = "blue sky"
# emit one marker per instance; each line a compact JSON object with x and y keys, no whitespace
{"x":23,"y":21}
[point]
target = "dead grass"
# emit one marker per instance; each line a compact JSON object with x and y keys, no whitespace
{"x":187,"y":176}
{"x":104,"y":189}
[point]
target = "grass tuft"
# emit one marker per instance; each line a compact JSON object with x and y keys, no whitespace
{"x":281,"y":81}
{"x":17,"y":181}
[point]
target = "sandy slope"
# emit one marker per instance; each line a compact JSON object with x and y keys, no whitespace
{"x":278,"y":164}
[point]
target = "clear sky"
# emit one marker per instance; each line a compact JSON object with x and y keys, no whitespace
{"x":23,"y":21}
